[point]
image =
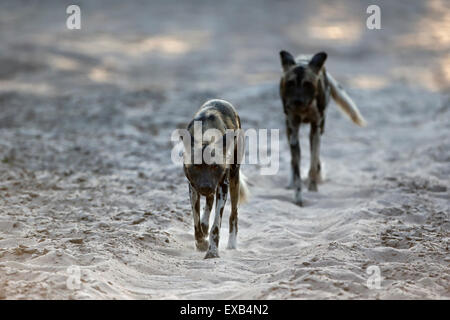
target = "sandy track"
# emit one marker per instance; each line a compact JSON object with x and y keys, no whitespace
{"x":86,"y":179}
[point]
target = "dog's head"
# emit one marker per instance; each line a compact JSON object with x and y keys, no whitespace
{"x":206,"y":175}
{"x":299,"y":82}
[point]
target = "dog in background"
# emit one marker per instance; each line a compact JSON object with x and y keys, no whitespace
{"x":305,"y":90}
{"x":216,"y":178}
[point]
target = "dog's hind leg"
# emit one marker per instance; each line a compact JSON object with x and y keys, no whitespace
{"x":314,"y":170}
{"x":200,"y":242}
{"x":234,"y":194}
{"x":292,"y":126}
{"x":205,"y":218}
{"x":214,"y":235}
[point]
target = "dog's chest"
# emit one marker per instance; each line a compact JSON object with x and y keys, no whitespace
{"x":310,"y":114}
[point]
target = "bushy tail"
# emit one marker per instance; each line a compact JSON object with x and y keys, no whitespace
{"x":345,"y":103}
{"x":244,"y":193}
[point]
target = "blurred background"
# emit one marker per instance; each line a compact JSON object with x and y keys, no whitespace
{"x":163,"y":44}
{"x":139,"y":62}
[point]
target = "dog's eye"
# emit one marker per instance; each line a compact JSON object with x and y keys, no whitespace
{"x":290,"y":83}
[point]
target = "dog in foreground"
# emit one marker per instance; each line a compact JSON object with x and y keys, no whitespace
{"x":213,"y":178}
{"x":305,"y":90}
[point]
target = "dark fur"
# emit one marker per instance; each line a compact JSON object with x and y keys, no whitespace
{"x":214,"y":179}
{"x":305,"y":93}
{"x":305,"y":90}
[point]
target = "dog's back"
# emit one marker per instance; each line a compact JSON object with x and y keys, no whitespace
{"x":305,"y":91}
{"x":217,"y":177}
{"x":216,"y":114}
{"x":221,"y":115}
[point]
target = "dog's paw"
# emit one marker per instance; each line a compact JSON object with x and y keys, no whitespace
{"x":212,"y":254}
{"x":231,"y":246}
{"x":299,"y":202}
{"x":202,"y":245}
{"x":232,"y":242}
{"x":298,"y":198}
{"x":312,"y":186}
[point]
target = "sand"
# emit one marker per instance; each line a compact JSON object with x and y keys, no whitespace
{"x":91,"y":206}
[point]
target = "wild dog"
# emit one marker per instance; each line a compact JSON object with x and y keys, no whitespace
{"x":305,"y":90}
{"x":217,"y":176}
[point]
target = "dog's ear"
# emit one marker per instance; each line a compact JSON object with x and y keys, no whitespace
{"x":287,"y":60}
{"x":318,"y":61}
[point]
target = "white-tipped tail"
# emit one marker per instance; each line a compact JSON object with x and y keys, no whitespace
{"x":244,"y":193}
{"x":345,"y":103}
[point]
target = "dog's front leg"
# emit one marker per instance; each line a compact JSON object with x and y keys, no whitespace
{"x":314,"y":170}
{"x":205,"y":218}
{"x":221,"y":199}
{"x":234,"y":195}
{"x":292,"y":126}
{"x":200,"y":242}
